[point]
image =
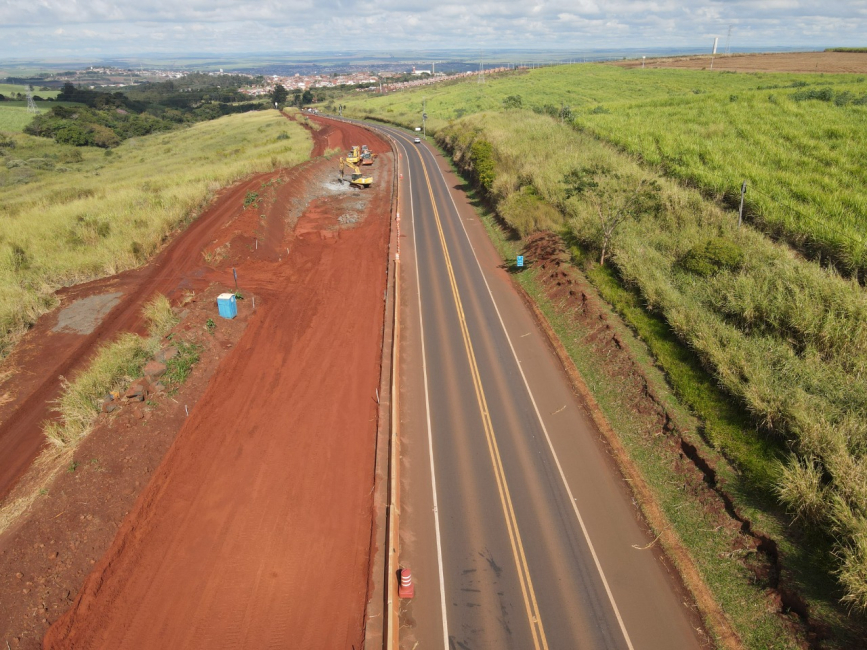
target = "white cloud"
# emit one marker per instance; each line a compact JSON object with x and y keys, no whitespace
{"x":228,"y":26}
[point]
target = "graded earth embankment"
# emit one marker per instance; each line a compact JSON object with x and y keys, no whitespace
{"x":255,"y":530}
{"x":48,"y":352}
{"x":44,"y":354}
{"x":829,"y":62}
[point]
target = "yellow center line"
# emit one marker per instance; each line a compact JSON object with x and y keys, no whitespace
{"x":539,"y":640}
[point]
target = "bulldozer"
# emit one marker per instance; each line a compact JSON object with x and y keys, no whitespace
{"x":357,"y":179}
{"x":367,"y":156}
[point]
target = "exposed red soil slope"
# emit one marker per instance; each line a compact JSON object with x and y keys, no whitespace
{"x":255,"y":530}
{"x":831,"y":62}
{"x":45,"y":558}
{"x":44,"y":355}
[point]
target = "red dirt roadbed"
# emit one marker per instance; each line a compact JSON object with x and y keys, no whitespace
{"x":255,"y":530}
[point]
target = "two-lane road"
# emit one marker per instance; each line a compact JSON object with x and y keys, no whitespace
{"x":519,"y":531}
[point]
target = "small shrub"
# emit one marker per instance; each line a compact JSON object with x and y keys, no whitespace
{"x":20,"y":259}
{"x":823,"y":95}
{"x":252,"y":198}
{"x":712,"y":257}
{"x":71,"y":156}
{"x":579,"y":180}
{"x":160,"y":316}
{"x":69,"y":194}
{"x":482,"y":159}
{"x":853,"y":574}
{"x":87,"y":230}
{"x":40,"y":163}
{"x":74,"y":135}
{"x":799,"y":487}
{"x":513,"y":101}
{"x":841,"y":99}
{"x":179,"y":368}
{"x":526,"y":212}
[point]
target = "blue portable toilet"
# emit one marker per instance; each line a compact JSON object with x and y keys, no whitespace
{"x":227,"y":305}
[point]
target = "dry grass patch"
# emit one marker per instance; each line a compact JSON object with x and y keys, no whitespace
{"x":81,"y":214}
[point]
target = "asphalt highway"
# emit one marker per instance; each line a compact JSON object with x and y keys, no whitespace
{"x":518,"y":528}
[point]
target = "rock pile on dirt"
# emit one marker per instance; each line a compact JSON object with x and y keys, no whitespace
{"x":143,"y":387}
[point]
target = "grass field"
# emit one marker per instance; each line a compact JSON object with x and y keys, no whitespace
{"x":13,"y":119}
{"x":783,"y":336}
{"x":71,"y":214}
{"x":14,"y":116}
{"x":797,"y":139}
{"x":10,"y":90}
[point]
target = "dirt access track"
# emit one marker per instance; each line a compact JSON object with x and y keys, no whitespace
{"x":830,"y":62}
{"x":255,"y":529}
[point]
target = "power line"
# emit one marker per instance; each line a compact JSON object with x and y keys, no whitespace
{"x":31,"y":105}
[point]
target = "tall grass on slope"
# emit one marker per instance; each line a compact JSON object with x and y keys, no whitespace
{"x":74,"y":218}
{"x":805,"y":161}
{"x":114,"y":366}
{"x":784,"y":336}
{"x":798,"y":139}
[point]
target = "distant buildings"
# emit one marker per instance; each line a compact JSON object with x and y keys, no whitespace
{"x":306,"y":82}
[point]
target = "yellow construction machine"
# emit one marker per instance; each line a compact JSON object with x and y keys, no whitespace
{"x":357,"y":179}
{"x":354,"y":157}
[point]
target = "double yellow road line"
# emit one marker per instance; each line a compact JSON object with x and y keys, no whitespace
{"x":538,"y":632}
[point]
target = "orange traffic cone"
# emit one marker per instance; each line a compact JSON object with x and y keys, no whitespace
{"x":406,"y":588}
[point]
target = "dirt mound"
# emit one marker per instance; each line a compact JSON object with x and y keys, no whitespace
{"x":831,"y":62}
{"x":255,"y":530}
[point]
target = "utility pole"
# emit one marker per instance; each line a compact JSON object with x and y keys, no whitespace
{"x":741,"y":211}
{"x":424,"y":117}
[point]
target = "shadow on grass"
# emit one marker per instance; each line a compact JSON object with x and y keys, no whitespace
{"x":511,"y":267}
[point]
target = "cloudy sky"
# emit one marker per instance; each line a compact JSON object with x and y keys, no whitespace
{"x":86,"y":28}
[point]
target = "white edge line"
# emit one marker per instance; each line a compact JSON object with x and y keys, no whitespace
{"x":541,"y":422}
{"x":427,"y":409}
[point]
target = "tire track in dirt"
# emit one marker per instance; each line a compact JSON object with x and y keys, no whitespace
{"x":255,"y":530}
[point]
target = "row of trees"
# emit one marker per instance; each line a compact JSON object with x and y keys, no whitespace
{"x":103,"y":119}
{"x":280,"y":96}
